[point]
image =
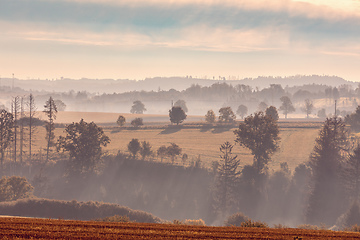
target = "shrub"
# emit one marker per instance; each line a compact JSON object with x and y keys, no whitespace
{"x":354,"y":228}
{"x":115,"y":218}
{"x":311,"y":227}
{"x":236,"y":219}
{"x":253,"y":224}
{"x":198,"y":222}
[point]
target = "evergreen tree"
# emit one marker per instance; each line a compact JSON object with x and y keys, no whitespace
{"x":50,"y":110}
{"x":226,"y":179}
{"x":326,"y":201}
{"x":6,"y":132}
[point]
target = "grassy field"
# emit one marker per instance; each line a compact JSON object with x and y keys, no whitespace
{"x":26,"y":228}
{"x":196,"y":140}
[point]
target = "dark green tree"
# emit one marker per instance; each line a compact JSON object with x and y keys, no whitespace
{"x":272,"y":112}
{"x":134,"y":146}
{"x":83,"y":142}
{"x":326,"y":200}
{"x":226,"y":114}
{"x":242,"y":111}
{"x":286,"y":106}
{"x":138,"y":107}
{"x":50,"y":110}
{"x":260,"y":134}
{"x":121,"y":121}
{"x":6,"y":132}
{"x":177,"y":115}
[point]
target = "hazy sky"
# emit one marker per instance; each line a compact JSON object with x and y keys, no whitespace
{"x":137,"y":39}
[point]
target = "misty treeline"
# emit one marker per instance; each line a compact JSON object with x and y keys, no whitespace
{"x":322,"y":190}
{"x":200,"y":98}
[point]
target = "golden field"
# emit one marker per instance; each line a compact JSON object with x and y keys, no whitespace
{"x":195,"y":140}
{"x":27,"y":228}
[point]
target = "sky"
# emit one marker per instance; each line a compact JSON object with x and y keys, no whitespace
{"x":98,"y":39}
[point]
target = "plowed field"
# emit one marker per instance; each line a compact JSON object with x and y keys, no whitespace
{"x":26,"y":228}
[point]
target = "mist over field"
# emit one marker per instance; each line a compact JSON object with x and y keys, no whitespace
{"x":221,"y":113}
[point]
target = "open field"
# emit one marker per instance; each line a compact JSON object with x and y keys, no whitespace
{"x":27,"y":228}
{"x":196,"y":140}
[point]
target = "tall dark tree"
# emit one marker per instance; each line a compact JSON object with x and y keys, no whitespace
{"x":50,"y":110}
{"x":242,"y":111}
{"x":226,"y":114}
{"x":138,"y":107}
{"x":177,"y":115}
{"x":326,"y":201}
{"x":260,"y":134}
{"x":15,"y":106}
{"x":286,"y":106}
{"x":226,"y":179}
{"x":32,"y":114}
{"x":83,"y":142}
{"x":6,"y":132}
{"x":134,"y":146}
{"x":272,"y":112}
{"x":22,"y":116}
{"x":352,"y":173}
{"x":182,"y":104}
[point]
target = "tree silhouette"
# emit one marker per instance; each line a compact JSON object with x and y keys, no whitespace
{"x":226,"y":179}
{"x":6,"y":132}
{"x":326,"y":197}
{"x":272,"y":112}
{"x":308,"y":107}
{"x":354,"y":120}
{"x":32,"y":114}
{"x":262,"y":106}
{"x":226,"y":114}
{"x":182,"y":104}
{"x":286,"y":105}
{"x":177,"y":115}
{"x":138,"y":107}
{"x":173,"y":150}
{"x":260,"y":134}
{"x":137,"y":122}
{"x":83,"y":142}
{"x":50,"y":110}
{"x":121,"y":121}
{"x":210,"y":117}
{"x":145,"y":150}
{"x":134,"y":146}
{"x":162,"y":152}
{"x":242,"y":111}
